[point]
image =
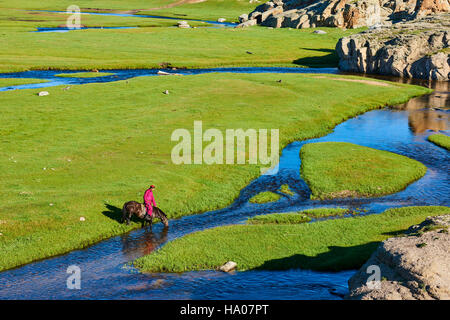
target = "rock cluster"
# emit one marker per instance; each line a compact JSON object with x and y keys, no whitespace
{"x":414,"y":266}
{"x":340,"y":13}
{"x":411,"y":49}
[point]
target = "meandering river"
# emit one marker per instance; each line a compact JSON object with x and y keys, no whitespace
{"x":105,"y":273}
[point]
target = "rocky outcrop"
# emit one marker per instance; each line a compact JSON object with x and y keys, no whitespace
{"x":414,"y":266}
{"x":341,"y":13}
{"x":417,"y":49}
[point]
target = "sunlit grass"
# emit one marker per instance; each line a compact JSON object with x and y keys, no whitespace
{"x":265,"y":197}
{"x":333,"y":245}
{"x":340,"y":170}
{"x":440,"y":140}
{"x":7,"y":82}
{"x":84,"y":74}
{"x":87,"y":150}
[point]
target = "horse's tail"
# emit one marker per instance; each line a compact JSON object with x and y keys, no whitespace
{"x":161,"y":215}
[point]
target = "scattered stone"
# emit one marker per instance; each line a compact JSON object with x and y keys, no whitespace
{"x":82,"y":219}
{"x":43,"y":93}
{"x":413,"y":266}
{"x":248,"y":23}
{"x":51,"y":204}
{"x":221,"y":20}
{"x":319,"y":32}
{"x":243,"y":17}
{"x":229,"y":266}
{"x":410,"y":49}
{"x":166,"y":92}
{"x":94,"y":70}
{"x":1,"y":234}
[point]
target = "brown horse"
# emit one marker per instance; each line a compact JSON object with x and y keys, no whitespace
{"x":138,"y":209}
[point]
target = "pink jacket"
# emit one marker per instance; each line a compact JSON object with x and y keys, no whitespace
{"x":149,"y":199}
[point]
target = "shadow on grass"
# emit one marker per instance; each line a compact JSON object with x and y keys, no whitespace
{"x":327,"y":61}
{"x":395,"y":233}
{"x":336,"y":259}
{"x":115,"y":213}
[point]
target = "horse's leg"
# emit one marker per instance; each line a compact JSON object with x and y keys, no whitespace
{"x":130,"y":214}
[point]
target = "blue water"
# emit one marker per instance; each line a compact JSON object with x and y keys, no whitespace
{"x":105,"y":274}
{"x":216,"y":23}
{"x":53,"y":80}
{"x":66,"y":29}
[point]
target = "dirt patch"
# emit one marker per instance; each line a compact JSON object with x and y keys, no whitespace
{"x":373,"y":83}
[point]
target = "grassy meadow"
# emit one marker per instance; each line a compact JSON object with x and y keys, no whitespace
{"x":155,"y":43}
{"x":440,"y":140}
{"x":84,"y":74}
{"x":339,"y":170}
{"x":83,"y":152}
{"x":265,"y":197}
{"x":330,"y":245}
{"x":6,"y":82}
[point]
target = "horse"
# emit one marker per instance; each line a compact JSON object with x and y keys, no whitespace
{"x":138,"y":209}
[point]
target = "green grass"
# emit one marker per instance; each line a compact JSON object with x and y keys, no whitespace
{"x":325,"y":212}
{"x":265,"y":197}
{"x":280,"y":218}
{"x":340,"y":170}
{"x":297,"y":217}
{"x":440,"y":140}
{"x":103,"y":144}
{"x":208,"y":10}
{"x":84,"y":74}
{"x":19,"y":21}
{"x":286,"y":190}
{"x":334,"y":245}
{"x":150,"y":47}
{"x":6,"y":82}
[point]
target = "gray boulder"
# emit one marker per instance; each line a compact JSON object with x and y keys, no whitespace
{"x":415,"y":266}
{"x":413,"y":49}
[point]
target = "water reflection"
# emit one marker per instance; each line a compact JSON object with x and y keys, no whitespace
{"x":428,"y":112}
{"x":147,"y":243}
